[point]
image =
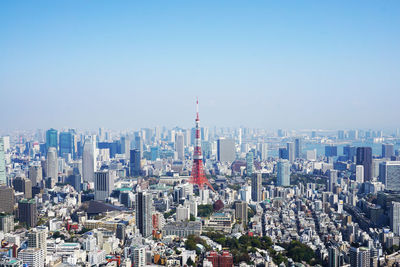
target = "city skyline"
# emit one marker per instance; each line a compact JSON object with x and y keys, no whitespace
{"x":122,"y":65}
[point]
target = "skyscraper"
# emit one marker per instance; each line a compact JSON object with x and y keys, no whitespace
{"x":52,"y":165}
{"x":283,"y":153}
{"x":226,"y":150}
{"x":103,"y":184}
{"x":364,"y":157}
{"x":241,"y":212}
{"x":67,"y":144}
{"x":387,"y":150}
{"x":144,"y":211}
{"x":23,"y":185}
{"x":35,"y":174}
{"x":37,"y":238}
{"x":51,"y":138}
{"x":360,"y":257}
{"x":6,"y":199}
{"x":332,"y":179}
{"x":27,"y":212}
{"x":263,"y":151}
{"x":88,"y":160}
{"x":139,"y":145}
{"x":249,"y":163}
{"x":360,"y":173}
{"x":256,"y":187}
{"x":395,"y":218}
{"x":291,"y":151}
{"x":389,"y":175}
{"x":283,"y":173}
{"x":298,"y":148}
{"x":135,"y":163}
{"x":179,"y":146}
{"x":330,"y":151}
{"x":3,"y":178}
{"x":333,"y":256}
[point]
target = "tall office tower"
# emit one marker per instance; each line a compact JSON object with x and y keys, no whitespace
{"x":226,"y":150}
{"x":23,"y":185}
{"x":125,"y":150}
{"x":332,"y":179}
{"x":350,"y":152}
{"x":52,"y":165}
{"x":283,"y":173}
{"x":32,"y":257}
{"x":204,"y":133}
{"x":256,"y":186}
{"x":6,"y":223}
{"x":330,"y":151}
{"x":360,"y":257}
{"x":103,"y":184}
{"x":241,"y":212}
{"x":102,"y":135}
{"x":283,"y":153}
{"x":198,"y":177}
{"x":6,"y":143}
{"x":134,"y":164}
{"x":88,"y":160}
{"x":364,"y":157}
{"x":395,"y":218}
{"x":3,"y":178}
{"x":6,"y":199}
{"x":249,"y":163}
{"x":298,"y":146}
{"x":263,"y":151}
{"x":389,"y":175}
{"x":144,"y":211}
{"x":148,"y":135}
{"x":291,"y":151}
{"x":360,"y":174}
{"x":341,"y":135}
{"x":35,"y":174}
{"x":179,"y":146}
{"x":27,"y":212}
{"x":67,"y":144}
{"x":37,"y":238}
{"x":51,"y":139}
{"x":333,"y":256}
{"x":387,"y":150}
{"x":139,"y":145}
{"x":139,"y":257}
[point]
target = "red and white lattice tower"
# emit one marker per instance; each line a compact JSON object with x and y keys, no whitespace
{"x":198,"y":176}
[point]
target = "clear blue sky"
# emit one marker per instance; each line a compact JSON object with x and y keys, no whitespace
{"x":267,"y":64}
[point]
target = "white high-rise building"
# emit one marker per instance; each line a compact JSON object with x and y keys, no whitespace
{"x":139,"y":257}
{"x":52,"y":165}
{"x":88,"y":160}
{"x":37,"y":238}
{"x":33,"y":257}
{"x":360,"y":173}
{"x":264,"y":151}
{"x":3,"y":179}
{"x":182,"y":214}
{"x":104,"y":184}
{"x":311,"y":155}
{"x":389,"y":175}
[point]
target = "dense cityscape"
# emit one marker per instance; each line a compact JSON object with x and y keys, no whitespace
{"x":200,"y":197}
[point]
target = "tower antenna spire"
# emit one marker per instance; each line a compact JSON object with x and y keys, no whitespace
{"x":198,"y":176}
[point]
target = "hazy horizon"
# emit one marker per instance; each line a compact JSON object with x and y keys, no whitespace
{"x":123,"y":65}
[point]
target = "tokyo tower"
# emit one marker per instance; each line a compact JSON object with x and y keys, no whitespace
{"x":198,"y":176}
